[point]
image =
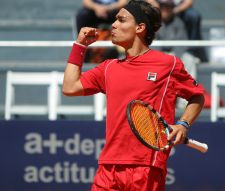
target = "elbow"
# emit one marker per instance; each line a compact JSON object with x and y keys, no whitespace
{"x":203,"y":99}
{"x":67,"y":92}
{"x":199,"y":99}
{"x":71,"y":91}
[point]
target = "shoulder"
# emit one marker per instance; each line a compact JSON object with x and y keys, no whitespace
{"x":110,"y":61}
{"x":174,"y":62}
{"x":162,"y":55}
{"x":104,"y":65}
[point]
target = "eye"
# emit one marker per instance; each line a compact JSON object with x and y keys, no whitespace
{"x":121,"y":20}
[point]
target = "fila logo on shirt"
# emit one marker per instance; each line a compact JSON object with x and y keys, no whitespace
{"x":152,"y":76}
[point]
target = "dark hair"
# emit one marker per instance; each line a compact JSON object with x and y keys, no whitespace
{"x":144,"y":12}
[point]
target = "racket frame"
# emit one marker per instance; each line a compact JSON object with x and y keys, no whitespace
{"x":202,"y":147}
{"x":159,"y":117}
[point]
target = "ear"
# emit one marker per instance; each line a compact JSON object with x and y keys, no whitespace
{"x":141,"y":27}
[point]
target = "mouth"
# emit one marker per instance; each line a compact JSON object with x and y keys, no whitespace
{"x":112,"y":33}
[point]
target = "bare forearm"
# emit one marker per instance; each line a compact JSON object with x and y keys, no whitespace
{"x":71,"y":82}
{"x":193,"y":109}
{"x":190,"y":114}
{"x":183,"y":6}
{"x":93,"y":6}
{"x":90,"y":4}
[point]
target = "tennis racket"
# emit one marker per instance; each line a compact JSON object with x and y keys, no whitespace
{"x":152,"y":130}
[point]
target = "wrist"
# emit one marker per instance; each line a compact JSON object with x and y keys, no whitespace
{"x":77,"y":54}
{"x":183,"y":123}
{"x":80,"y":44}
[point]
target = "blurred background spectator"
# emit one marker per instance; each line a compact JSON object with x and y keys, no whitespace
{"x":96,"y":12}
{"x":172,"y":28}
{"x":99,"y":14}
{"x":192,"y":20}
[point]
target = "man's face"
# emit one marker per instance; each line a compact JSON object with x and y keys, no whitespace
{"x":124,"y":29}
{"x":167,"y":13}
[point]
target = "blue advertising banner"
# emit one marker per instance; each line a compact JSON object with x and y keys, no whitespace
{"x":62,"y":155}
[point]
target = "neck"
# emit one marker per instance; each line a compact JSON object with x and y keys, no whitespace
{"x":136,"y":51}
{"x":132,"y":54}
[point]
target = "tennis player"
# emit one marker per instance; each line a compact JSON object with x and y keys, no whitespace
{"x":125,"y":164}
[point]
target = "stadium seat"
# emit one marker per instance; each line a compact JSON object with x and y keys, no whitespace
{"x":54,"y":107}
{"x":217,"y":53}
{"x":31,"y":79}
{"x":97,"y":108}
{"x":217,"y":80}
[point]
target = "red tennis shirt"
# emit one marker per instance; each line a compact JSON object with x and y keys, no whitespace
{"x":154,"y":77}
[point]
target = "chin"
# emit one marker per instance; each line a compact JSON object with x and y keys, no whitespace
{"x":116,"y":42}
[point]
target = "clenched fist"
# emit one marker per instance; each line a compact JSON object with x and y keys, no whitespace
{"x":87,"y":35}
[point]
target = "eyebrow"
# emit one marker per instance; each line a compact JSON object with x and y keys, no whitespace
{"x":120,"y":17}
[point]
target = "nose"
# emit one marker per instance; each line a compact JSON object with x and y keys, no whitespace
{"x":114,"y":24}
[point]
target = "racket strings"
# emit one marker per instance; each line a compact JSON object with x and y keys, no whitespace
{"x":158,"y":128}
{"x":138,"y":114}
{"x":149,"y":127}
{"x":144,"y":123}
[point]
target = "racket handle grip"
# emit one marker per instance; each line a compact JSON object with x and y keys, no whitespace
{"x":202,"y":147}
